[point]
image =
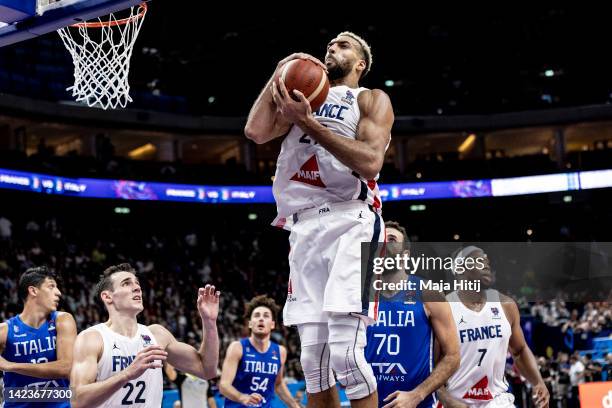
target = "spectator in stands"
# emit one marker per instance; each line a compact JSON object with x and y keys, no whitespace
{"x":576,"y":374}
{"x":546,"y":373}
{"x":592,"y":370}
{"x":607,"y":370}
{"x":5,"y":228}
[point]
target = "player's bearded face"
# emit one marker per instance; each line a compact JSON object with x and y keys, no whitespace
{"x":338,"y":68}
{"x":394,"y":246}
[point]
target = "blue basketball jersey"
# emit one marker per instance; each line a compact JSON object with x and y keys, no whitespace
{"x":400,"y":344}
{"x":25,"y":344}
{"x":257,"y":372}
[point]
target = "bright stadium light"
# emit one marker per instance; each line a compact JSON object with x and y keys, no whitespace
{"x":252,"y":216}
{"x":549,"y":73}
{"x":389,"y":83}
{"x":122,"y":210}
{"x":467,"y":143}
{"x":142,"y":151}
{"x":456,"y":237}
{"x":568,"y":198}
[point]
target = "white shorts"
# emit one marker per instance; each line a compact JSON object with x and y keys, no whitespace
{"x":325,"y":262}
{"x":503,"y":400}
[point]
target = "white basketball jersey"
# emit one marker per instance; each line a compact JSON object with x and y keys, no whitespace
{"x":119,"y":351}
{"x":309,"y":176}
{"x":483,"y":338}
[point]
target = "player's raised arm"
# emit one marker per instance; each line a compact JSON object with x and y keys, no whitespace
{"x":88,"y":392}
{"x":60,"y":368}
{"x":264,"y":122}
{"x":522,"y":355}
{"x":203,"y":362}
{"x":280,"y":386}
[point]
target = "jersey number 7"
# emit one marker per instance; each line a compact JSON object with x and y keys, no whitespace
{"x":483,"y":351}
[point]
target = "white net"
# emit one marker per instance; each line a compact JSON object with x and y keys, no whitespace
{"x":101,"y":53}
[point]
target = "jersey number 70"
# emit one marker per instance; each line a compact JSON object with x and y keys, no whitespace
{"x":392,"y":341}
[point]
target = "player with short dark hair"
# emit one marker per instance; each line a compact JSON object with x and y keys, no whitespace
{"x":36,"y":345}
{"x":401,"y":343}
{"x":327,"y":195}
{"x":119,"y":362}
{"x":489,"y":326}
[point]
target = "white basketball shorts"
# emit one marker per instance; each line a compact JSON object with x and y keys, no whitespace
{"x":325,"y":262}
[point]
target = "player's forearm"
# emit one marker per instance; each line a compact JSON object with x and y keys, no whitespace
{"x":447,"y":400}
{"x":209,"y":349}
{"x":229,"y":391}
{"x":285,"y":395}
{"x":438,"y":377}
{"x":262,"y":117}
{"x":52,"y":370}
{"x":96,"y":393}
{"x":354,"y":154}
{"x":528,"y":366}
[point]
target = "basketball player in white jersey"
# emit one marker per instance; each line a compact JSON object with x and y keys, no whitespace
{"x":326,"y":195}
{"x":489,"y":326}
{"x":119,"y":362}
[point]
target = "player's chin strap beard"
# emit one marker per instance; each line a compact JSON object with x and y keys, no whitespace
{"x":336,"y":72}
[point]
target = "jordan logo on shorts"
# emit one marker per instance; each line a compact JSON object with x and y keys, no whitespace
{"x":309,"y":173}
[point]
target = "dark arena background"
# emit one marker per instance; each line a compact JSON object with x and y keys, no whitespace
{"x":502,"y":133}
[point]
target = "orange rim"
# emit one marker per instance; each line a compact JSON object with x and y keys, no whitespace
{"x":142,"y":10}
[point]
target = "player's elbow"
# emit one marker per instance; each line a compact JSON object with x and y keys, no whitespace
{"x":371,"y":165}
{"x":77,"y":398}
{"x":252,"y":133}
{"x":370,"y":170}
{"x":65,"y":368}
{"x":209,"y":373}
{"x":224,"y":387}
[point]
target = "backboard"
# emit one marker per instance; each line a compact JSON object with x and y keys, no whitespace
{"x":24,"y":19}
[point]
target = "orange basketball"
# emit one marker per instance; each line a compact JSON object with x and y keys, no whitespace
{"x":308,"y":78}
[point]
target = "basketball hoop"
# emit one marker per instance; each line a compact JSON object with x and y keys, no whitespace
{"x":101,"y":52}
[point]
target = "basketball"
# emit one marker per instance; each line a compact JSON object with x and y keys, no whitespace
{"x":308,"y":78}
